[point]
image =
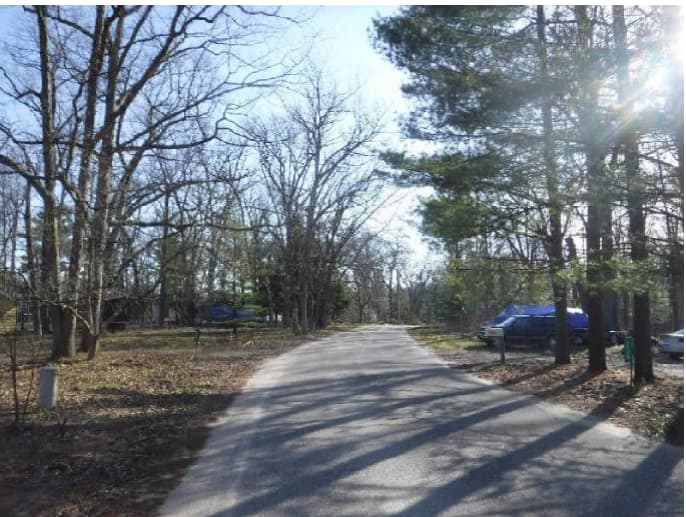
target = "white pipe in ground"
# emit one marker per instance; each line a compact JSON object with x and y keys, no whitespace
{"x":47,"y":390}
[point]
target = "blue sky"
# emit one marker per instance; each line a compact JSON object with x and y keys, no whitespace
{"x":345,"y":48}
{"x":342,"y":45}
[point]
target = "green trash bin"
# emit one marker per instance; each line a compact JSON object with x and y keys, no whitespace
{"x":628,"y":350}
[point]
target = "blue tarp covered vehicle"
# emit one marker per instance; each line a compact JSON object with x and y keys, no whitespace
{"x":577,"y":317}
{"x":534,"y":323}
{"x":529,"y":310}
{"x":222,"y":312}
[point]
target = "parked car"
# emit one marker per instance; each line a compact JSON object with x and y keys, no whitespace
{"x":481,"y":334}
{"x":672,"y":344}
{"x":537,"y":330}
{"x":577,"y":317}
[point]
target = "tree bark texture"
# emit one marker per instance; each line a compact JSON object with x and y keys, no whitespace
{"x":594,"y":149}
{"x":554,"y":205}
{"x":643,"y":371}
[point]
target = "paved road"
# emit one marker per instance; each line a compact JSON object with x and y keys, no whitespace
{"x":663,"y":364}
{"x":369,"y":423}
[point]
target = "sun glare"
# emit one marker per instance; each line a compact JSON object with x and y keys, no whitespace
{"x":676,"y":49}
{"x":656,"y":81}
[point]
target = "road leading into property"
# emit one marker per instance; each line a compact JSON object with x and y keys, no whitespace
{"x":368,"y":422}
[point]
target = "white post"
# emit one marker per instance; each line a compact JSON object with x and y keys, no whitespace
{"x":47,"y":392}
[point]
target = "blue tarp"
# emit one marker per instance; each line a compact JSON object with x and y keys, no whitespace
{"x":577,"y":317}
{"x":221,"y":312}
{"x":218,"y":312}
{"x":530,"y":310}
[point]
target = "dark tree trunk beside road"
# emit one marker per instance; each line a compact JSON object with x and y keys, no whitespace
{"x":643,"y":371}
{"x":555,"y":252}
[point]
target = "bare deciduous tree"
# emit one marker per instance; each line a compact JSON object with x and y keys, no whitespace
{"x":315,"y":166}
{"x":116,"y":84}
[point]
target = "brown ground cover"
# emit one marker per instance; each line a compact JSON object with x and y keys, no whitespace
{"x":131,"y":422}
{"x":128,"y":423}
{"x":654,"y":410}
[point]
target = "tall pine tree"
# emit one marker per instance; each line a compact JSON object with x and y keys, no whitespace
{"x":482,"y":80}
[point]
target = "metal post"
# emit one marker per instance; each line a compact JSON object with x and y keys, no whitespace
{"x":629,"y":357}
{"x":498,"y":335}
{"x":197,"y":339}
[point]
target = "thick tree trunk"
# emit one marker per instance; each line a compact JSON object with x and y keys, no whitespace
{"x":595,"y":152}
{"x":31,"y":264}
{"x":626,"y":306}
{"x":555,"y":209}
{"x":102,"y":188}
{"x":50,"y":282}
{"x":81,"y":200}
{"x":676,"y":282}
{"x":50,"y":291}
{"x":643,"y":372}
{"x":594,"y":276}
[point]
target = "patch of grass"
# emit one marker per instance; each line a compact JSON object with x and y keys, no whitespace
{"x":440,"y":339}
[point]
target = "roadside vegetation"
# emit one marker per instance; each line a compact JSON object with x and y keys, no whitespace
{"x":128,"y":424}
{"x":558,"y":167}
{"x":164,"y":164}
{"x":654,"y":410}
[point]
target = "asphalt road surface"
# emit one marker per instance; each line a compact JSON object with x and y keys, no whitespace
{"x":369,"y":423}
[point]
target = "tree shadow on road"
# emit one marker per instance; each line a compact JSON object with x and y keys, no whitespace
{"x":304,"y":453}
